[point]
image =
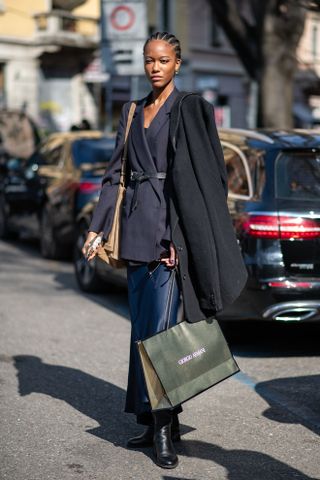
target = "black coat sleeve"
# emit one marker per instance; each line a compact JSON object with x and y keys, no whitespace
{"x":215,"y":141}
{"x":200,"y":114}
{"x":204,"y":143}
{"x":104,"y":211}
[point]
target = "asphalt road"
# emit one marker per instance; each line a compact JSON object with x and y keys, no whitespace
{"x":63,"y":371}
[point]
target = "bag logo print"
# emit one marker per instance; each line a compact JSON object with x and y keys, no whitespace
{"x":195,"y":354}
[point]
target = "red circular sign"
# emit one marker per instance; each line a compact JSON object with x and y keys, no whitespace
{"x":122,"y":18}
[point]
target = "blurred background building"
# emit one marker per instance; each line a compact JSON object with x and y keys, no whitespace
{"x":306,"y":108}
{"x":45,"y":46}
{"x":51,"y":66}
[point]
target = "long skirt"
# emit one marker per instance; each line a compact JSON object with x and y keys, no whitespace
{"x":148,"y":289}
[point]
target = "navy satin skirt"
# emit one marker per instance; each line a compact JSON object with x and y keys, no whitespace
{"x":148,"y":288}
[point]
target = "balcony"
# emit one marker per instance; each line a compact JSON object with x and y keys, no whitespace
{"x":60,"y":27}
{"x":67,"y":4}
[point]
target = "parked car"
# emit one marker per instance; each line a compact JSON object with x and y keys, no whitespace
{"x":93,"y":276}
{"x":42,"y":196}
{"x":274,"y":201}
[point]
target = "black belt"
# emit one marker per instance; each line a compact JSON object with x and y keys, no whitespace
{"x":138,"y":178}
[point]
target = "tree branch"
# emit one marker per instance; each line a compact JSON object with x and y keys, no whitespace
{"x":238,"y":19}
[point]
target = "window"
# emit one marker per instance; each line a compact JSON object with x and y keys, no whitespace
{"x":86,"y":152}
{"x":298,"y":176}
{"x":239,"y":180}
{"x":166,"y":14}
{"x":2,"y":86}
{"x":54,"y":157}
{"x":258,"y":173}
{"x":314,"y":41}
{"x":68,"y":24}
{"x":41,"y":22}
{"x":47,"y":156}
{"x":215,"y":32}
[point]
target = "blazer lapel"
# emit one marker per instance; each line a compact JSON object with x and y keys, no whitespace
{"x":157,"y":123}
{"x":163,"y":116}
{"x":138,"y":138}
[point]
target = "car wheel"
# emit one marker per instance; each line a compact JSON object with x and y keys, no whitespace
{"x":49,"y":246}
{"x":86,"y":272}
{"x":4,"y":229}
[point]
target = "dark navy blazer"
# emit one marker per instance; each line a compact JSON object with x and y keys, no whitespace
{"x":144,"y":230}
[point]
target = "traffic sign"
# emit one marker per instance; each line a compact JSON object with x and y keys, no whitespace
{"x":122,"y":18}
{"x":126,"y":20}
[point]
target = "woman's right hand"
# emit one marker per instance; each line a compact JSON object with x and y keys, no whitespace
{"x":171,"y":258}
{"x":87,"y":244}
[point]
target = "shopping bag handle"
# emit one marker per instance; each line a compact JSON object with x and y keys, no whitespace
{"x":170,"y":297}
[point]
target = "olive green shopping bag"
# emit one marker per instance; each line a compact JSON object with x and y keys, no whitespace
{"x":185,"y":360}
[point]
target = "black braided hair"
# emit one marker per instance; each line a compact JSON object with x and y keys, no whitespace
{"x":167,"y":37}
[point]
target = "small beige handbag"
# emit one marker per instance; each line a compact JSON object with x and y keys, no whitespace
{"x":109,"y":251}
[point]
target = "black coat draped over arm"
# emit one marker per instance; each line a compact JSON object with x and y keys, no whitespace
{"x":211,"y":267}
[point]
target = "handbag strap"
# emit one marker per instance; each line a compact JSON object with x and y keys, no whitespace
{"x":125,"y":147}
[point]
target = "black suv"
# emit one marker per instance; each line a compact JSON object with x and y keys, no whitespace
{"x":274,"y":200}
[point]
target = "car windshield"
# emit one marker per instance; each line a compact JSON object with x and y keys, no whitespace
{"x":298,"y":176}
{"x":91,"y":151}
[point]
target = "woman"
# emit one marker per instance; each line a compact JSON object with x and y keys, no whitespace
{"x":174,"y":215}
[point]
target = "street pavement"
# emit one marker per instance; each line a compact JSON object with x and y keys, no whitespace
{"x":63,"y":372}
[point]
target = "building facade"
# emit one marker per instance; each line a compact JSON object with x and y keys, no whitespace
{"x":307,"y":93}
{"x":214,"y":68}
{"x":209,"y":64}
{"x":50,"y":62}
{"x":45,"y":45}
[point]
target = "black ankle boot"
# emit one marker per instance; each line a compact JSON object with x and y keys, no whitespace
{"x":143,"y":440}
{"x":165,"y":455}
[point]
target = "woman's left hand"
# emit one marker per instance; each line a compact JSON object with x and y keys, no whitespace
{"x":172,"y":260}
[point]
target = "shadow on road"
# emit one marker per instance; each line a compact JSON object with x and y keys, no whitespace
{"x":241,"y":464}
{"x":176,"y":478}
{"x":300,"y":395}
{"x":98,"y":399}
{"x":103,"y":402}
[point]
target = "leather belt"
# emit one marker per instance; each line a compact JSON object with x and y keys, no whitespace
{"x":138,"y":178}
